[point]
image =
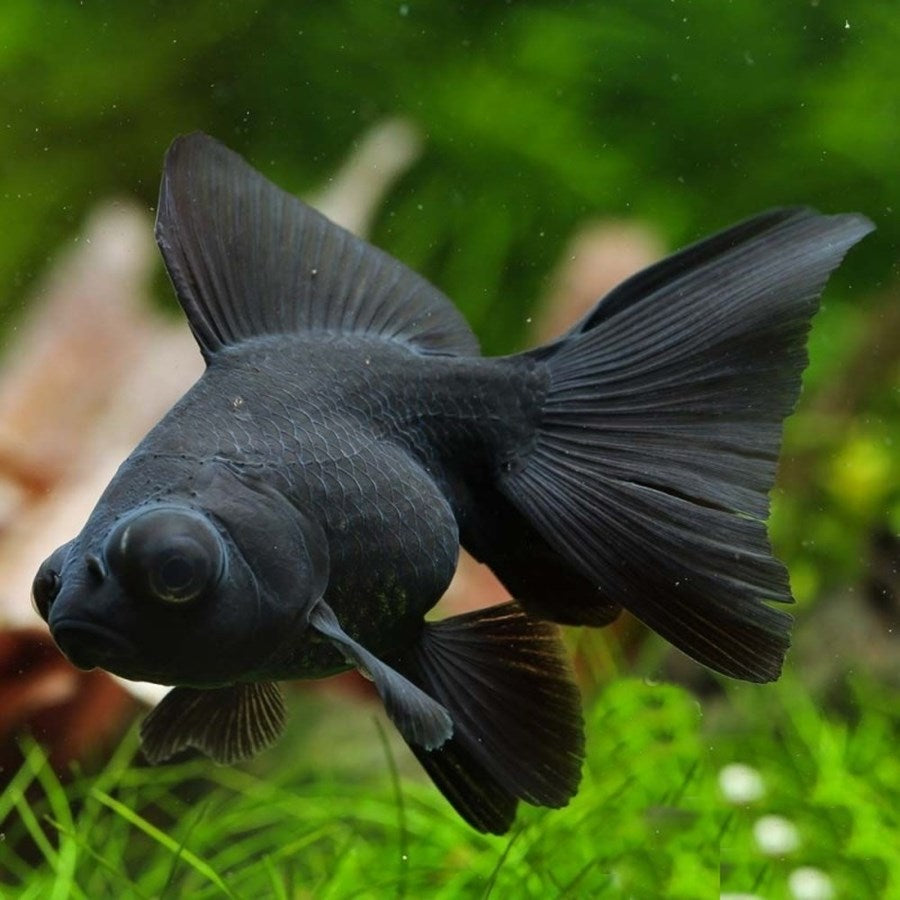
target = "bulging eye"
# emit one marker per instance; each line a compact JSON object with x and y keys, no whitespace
{"x":166,"y":555}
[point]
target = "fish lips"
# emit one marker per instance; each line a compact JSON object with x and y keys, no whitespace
{"x":88,"y":645}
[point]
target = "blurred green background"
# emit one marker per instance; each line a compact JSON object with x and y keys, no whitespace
{"x":538,"y":115}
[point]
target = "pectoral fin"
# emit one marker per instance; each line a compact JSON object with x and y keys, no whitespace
{"x":228,"y":724}
{"x":421,"y":720}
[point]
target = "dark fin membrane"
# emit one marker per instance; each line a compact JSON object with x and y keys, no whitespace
{"x":422,"y":721}
{"x":661,"y":274}
{"x":660,"y":434}
{"x":518,"y":729}
{"x":544,"y":583}
{"x":228,"y":724}
{"x":248,"y":259}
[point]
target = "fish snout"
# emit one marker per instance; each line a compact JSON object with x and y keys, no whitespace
{"x":65,"y":594}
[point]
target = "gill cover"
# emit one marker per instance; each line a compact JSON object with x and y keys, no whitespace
{"x":284,"y":549}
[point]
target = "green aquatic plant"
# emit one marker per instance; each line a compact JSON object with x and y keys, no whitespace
{"x":650,"y":820}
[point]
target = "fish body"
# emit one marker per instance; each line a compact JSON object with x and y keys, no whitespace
{"x":330,"y":423}
{"x":301,"y":508}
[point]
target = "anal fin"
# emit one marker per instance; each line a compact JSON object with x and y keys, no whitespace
{"x":228,"y":724}
{"x":518,"y":729}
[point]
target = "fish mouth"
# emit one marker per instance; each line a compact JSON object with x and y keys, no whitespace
{"x":90,"y":646}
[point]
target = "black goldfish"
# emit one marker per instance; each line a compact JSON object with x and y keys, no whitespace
{"x":300,"y":509}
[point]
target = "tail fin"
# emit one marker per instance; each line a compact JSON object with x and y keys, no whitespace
{"x":660,"y":431}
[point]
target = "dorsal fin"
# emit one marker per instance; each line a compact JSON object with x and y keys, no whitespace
{"x":249,"y":259}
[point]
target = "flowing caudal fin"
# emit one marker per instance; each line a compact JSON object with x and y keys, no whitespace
{"x":660,"y":431}
{"x":517,"y":725}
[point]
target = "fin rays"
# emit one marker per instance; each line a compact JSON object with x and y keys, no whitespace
{"x":248,"y":259}
{"x":518,"y":731}
{"x":228,"y":724}
{"x":661,"y":429}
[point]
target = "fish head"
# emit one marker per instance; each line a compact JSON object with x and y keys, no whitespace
{"x":204,"y":583}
